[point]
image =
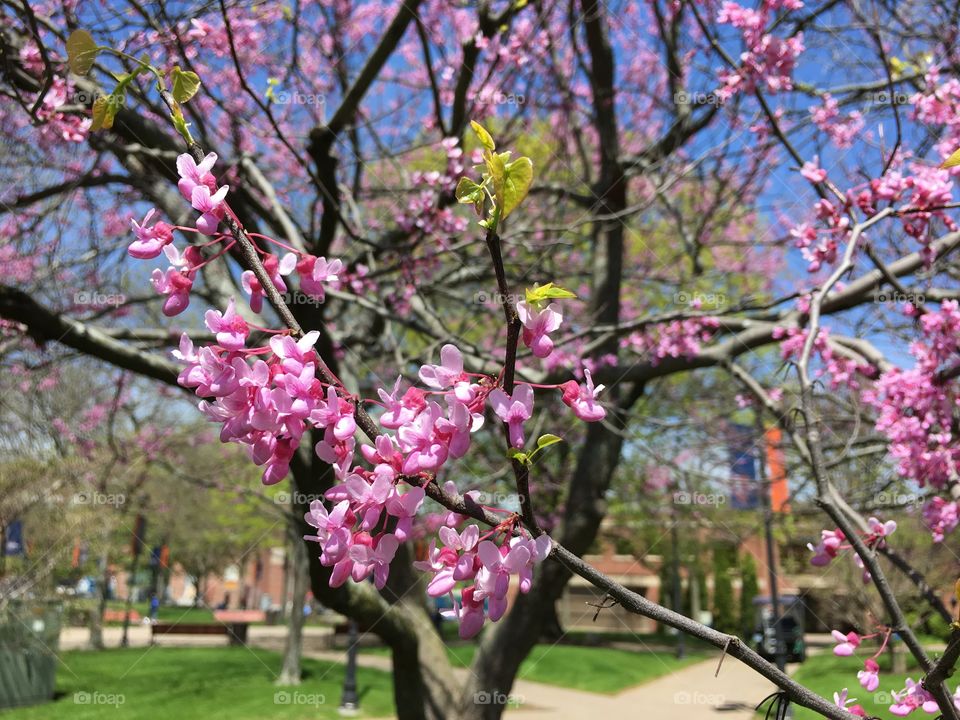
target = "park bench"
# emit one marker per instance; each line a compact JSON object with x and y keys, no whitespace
{"x":232,"y":623}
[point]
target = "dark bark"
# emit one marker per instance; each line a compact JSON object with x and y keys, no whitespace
{"x":299,"y":570}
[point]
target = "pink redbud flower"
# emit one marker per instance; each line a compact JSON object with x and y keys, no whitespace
{"x":537,"y":324}
{"x":913,"y":697}
{"x":582,"y":399}
{"x":870,"y":675}
{"x":210,"y":205}
{"x":879,"y":529}
{"x":276,"y":270}
{"x":447,"y":373}
{"x":314,"y":272}
{"x":828,"y":547}
{"x":151,"y":239}
{"x":192,"y":175}
{"x":514,"y":411}
{"x":846,"y":644}
{"x":374,"y":558}
{"x":177,"y":281}
{"x":231,"y":329}
{"x":400,"y":411}
{"x":812,"y":171}
{"x":469,"y":612}
{"x":841,"y":701}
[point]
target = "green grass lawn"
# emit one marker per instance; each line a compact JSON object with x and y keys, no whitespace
{"x":593,"y":669}
{"x":826,"y":674}
{"x":202,"y":683}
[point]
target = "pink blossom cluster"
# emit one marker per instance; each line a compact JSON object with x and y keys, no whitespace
{"x":55,"y":126}
{"x":841,"y":370}
{"x":912,"y":697}
{"x":266,"y":399}
{"x":940,"y":516}
{"x":423,"y":212}
{"x":768,"y":60}
{"x":841,"y":129}
{"x":674,"y":339}
{"x":466,"y":557}
{"x":832,"y":542}
{"x":938,"y":104}
{"x":198,"y":185}
{"x":916,"y":408}
{"x":920,"y":195}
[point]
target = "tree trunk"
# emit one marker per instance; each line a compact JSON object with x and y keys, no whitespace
{"x":423,"y":683}
{"x":96,"y":615}
{"x":293,"y":647}
{"x":507,"y":643}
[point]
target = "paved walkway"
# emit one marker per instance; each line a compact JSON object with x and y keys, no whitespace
{"x":692,"y":693}
{"x":268,"y":636}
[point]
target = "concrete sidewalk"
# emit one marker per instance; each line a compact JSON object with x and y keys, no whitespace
{"x":692,"y":693}
{"x":266,"y":636}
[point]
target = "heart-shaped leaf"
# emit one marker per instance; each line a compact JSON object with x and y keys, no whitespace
{"x":547,"y":292}
{"x":81,"y":52}
{"x":547,"y":440}
{"x":518,"y":176}
{"x":185,"y":84}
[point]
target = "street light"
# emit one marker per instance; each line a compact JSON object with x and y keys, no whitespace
{"x":349,"y":700}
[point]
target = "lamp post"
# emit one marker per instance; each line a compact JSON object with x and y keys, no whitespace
{"x":766,"y":483}
{"x":677,"y":600}
{"x":349,"y":700}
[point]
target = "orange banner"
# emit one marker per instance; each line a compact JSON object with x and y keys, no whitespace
{"x":777,"y":471}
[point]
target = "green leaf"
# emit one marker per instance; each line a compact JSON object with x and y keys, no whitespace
{"x":518,"y":177}
{"x":181,"y":124}
{"x":496,"y":167}
{"x":519,"y":455}
{"x":485,"y":139}
{"x":81,"y":52}
{"x":547,"y":440}
{"x":951,"y":161}
{"x":105,"y":109}
{"x":185,"y":84}
{"x":466,"y":191}
{"x":469,"y":193}
{"x":549,"y":291}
